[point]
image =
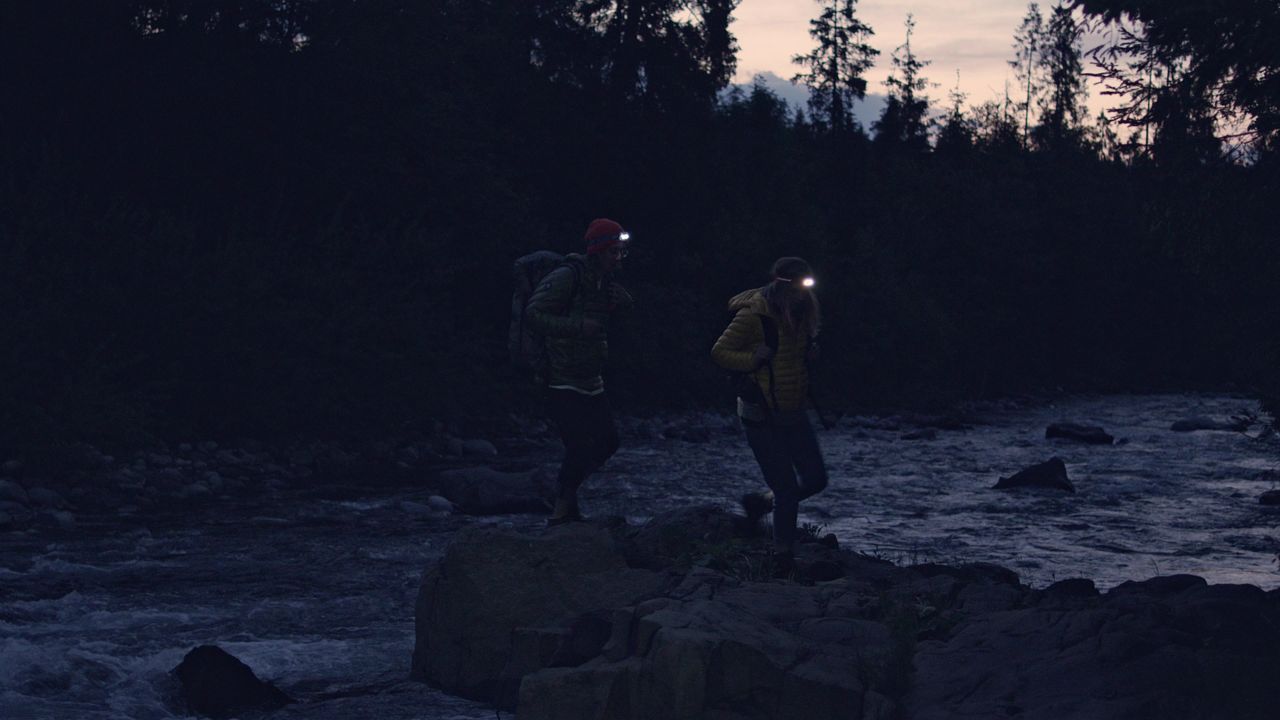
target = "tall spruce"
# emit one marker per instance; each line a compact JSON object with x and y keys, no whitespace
{"x":1063,"y":109}
{"x":1027,"y":41}
{"x":834,"y":69}
{"x":905,"y":119}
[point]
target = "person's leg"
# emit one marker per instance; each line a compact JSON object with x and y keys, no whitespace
{"x":806,"y":454}
{"x":776,"y":465}
{"x":600,"y":438}
{"x":568,"y":412}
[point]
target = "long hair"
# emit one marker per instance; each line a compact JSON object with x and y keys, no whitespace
{"x":805,"y":315}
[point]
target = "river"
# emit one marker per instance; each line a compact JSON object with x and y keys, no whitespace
{"x":314,"y":587}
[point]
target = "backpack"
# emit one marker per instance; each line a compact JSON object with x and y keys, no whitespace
{"x":526,"y":347}
{"x":743,"y":384}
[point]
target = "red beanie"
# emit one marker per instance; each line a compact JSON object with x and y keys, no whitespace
{"x":603,"y":234}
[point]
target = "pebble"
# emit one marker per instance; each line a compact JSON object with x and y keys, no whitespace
{"x":43,"y":497}
{"x":185,"y":448}
{"x":479,"y":447}
{"x":13,"y":492}
{"x":440,"y":503}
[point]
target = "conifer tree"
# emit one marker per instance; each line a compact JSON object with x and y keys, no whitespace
{"x":906,"y":114}
{"x":834,"y":70}
{"x":1062,"y":109}
{"x":956,"y":133}
{"x":1027,"y":41}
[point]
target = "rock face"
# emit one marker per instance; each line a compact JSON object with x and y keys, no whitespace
{"x":1089,"y":434}
{"x":217,"y":685}
{"x":500,"y":605}
{"x":486,"y":491}
{"x":580,"y":622}
{"x":1049,"y":474}
{"x":1166,"y":648}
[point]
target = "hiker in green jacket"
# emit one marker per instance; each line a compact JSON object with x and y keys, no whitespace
{"x":772,"y":341}
{"x":571,"y":309}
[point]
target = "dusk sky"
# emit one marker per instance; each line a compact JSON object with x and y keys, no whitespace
{"x":973,"y":36}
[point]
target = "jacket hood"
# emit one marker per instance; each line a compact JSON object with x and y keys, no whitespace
{"x":753,"y":299}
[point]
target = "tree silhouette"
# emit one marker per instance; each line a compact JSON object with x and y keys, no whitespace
{"x":834,"y":69}
{"x":905,"y":119}
{"x":1027,"y":41}
{"x":1061,"y":60}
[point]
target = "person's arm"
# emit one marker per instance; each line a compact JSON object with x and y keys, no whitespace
{"x":548,"y":312}
{"x":732,"y":351}
{"x":619,"y":298}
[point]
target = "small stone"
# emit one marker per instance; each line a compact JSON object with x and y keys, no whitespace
{"x":436,"y":502}
{"x":923,"y":434}
{"x":43,"y":497}
{"x":214,"y":481}
{"x":196,"y":491}
{"x":185,"y":448}
{"x":162,"y":460}
{"x":208,"y":446}
{"x":60,"y":519}
{"x":416,"y":508}
{"x":13,"y":492}
{"x":479,"y":447}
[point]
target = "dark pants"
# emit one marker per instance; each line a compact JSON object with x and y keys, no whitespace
{"x":783,"y":451}
{"x":590,"y":438}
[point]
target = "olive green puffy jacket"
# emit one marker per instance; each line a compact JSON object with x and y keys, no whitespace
{"x":556,"y":311}
{"x":737,"y":345}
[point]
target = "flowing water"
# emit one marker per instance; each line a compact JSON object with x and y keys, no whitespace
{"x":314,"y":588}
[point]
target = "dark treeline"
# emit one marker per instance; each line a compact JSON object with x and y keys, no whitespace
{"x":275,"y":218}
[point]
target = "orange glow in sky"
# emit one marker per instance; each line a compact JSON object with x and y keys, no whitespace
{"x":972,"y":36}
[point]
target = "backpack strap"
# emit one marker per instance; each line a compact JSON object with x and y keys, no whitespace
{"x":769,"y":328}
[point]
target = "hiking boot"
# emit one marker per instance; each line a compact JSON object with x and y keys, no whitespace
{"x":757,"y":505}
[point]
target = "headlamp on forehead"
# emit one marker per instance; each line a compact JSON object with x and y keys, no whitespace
{"x":624,"y":236}
{"x":804,"y":282}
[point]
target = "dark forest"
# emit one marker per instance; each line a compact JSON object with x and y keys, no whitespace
{"x":297,"y":218}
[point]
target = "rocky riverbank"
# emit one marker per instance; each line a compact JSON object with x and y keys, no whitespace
{"x":685,"y":616}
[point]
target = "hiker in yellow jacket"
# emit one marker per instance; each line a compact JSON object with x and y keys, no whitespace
{"x":771,"y":342}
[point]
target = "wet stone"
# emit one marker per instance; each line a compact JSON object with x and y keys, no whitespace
{"x":13,"y":492}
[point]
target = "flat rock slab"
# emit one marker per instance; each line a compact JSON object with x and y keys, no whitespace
{"x":1089,"y":434}
{"x":486,"y":491}
{"x":1170,"y":648}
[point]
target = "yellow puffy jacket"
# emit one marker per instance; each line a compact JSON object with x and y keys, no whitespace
{"x":737,"y":345}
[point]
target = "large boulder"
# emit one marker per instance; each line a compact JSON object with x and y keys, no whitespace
{"x":1167,"y":648}
{"x":217,"y":685}
{"x":488,"y":491}
{"x":1089,"y":434}
{"x":562,"y":624}
{"x":1050,"y":474}
{"x":558,"y":624}
{"x":492,"y":583}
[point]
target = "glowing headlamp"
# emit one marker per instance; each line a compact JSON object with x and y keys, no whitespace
{"x":624,"y":236}
{"x":806,"y":282}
